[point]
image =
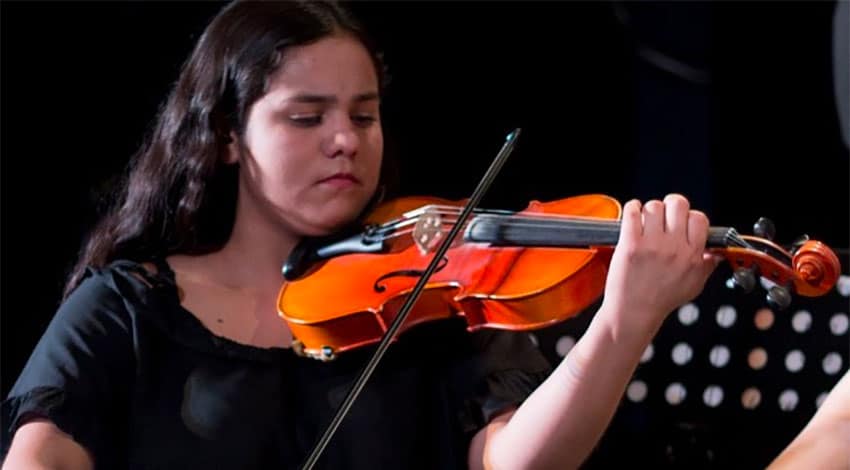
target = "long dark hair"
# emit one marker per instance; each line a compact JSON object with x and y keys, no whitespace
{"x":178,"y":195}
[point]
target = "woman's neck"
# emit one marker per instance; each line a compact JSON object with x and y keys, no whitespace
{"x":254,"y":253}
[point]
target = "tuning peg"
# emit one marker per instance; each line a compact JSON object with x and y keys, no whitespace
{"x":778,"y":297}
{"x":743,"y":279}
{"x":764,"y":228}
{"x":796,"y":244}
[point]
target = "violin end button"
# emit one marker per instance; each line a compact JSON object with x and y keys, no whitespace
{"x":328,"y":353}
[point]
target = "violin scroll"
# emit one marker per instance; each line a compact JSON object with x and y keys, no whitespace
{"x":818,"y":267}
{"x":807,"y":268}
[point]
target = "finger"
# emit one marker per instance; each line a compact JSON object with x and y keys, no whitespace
{"x":710,"y":262}
{"x":697,"y":230}
{"x":653,"y":218}
{"x":713,"y":258}
{"x":631,"y":226}
{"x":676,"y":209}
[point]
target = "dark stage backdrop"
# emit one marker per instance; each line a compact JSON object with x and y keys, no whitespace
{"x":731,"y":103}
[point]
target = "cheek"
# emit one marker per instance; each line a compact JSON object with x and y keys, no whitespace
{"x":277,"y":151}
{"x":376,"y":154}
{"x":276,"y":167}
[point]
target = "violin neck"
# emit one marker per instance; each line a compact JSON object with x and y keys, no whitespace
{"x":502,"y":230}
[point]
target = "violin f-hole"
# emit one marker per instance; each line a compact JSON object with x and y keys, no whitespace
{"x":406,"y":272}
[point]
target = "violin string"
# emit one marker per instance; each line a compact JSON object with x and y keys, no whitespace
{"x":564,"y":224}
{"x":547,"y":220}
{"x":412,"y":217}
{"x":397,"y":234}
{"x":738,"y":241}
{"x":732,"y":238}
{"x":391,"y":230}
{"x":508,"y":215}
{"x":544,"y":222}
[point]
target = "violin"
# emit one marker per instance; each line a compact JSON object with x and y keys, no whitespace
{"x":521,"y":270}
{"x":408,"y":263}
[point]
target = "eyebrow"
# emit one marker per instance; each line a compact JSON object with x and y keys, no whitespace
{"x":323,"y":99}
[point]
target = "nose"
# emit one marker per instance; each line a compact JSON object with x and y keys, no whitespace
{"x":343,"y":141}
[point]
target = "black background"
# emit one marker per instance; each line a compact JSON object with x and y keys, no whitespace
{"x":729,"y":103}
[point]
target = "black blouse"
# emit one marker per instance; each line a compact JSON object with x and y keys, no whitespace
{"x":142,"y":384}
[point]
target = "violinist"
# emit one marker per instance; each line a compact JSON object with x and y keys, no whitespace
{"x":168,"y":350}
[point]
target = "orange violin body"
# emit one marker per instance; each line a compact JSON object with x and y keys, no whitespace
{"x":517,"y":278}
{"x":338,"y":307}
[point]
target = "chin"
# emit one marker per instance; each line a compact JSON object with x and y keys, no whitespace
{"x":332,"y":221}
{"x":326,"y":216}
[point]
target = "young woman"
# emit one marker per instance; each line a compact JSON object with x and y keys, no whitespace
{"x":168,"y":351}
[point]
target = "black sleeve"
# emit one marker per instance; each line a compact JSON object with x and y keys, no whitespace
{"x":508,"y":366}
{"x":79,"y":373}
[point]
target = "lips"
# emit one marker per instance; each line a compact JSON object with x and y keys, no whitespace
{"x":340,"y":178}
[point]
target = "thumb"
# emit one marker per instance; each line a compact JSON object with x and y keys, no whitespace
{"x":710,"y":262}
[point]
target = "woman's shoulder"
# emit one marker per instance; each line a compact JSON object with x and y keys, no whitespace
{"x":116,"y":288}
{"x":152,"y":301}
{"x":100,"y":279}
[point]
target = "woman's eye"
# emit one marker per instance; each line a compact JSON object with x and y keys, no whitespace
{"x":306,"y":120}
{"x":363,"y":120}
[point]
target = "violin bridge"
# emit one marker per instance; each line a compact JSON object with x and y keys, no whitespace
{"x":428,"y":232}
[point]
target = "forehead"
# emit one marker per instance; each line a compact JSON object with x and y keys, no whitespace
{"x":338,"y":64}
